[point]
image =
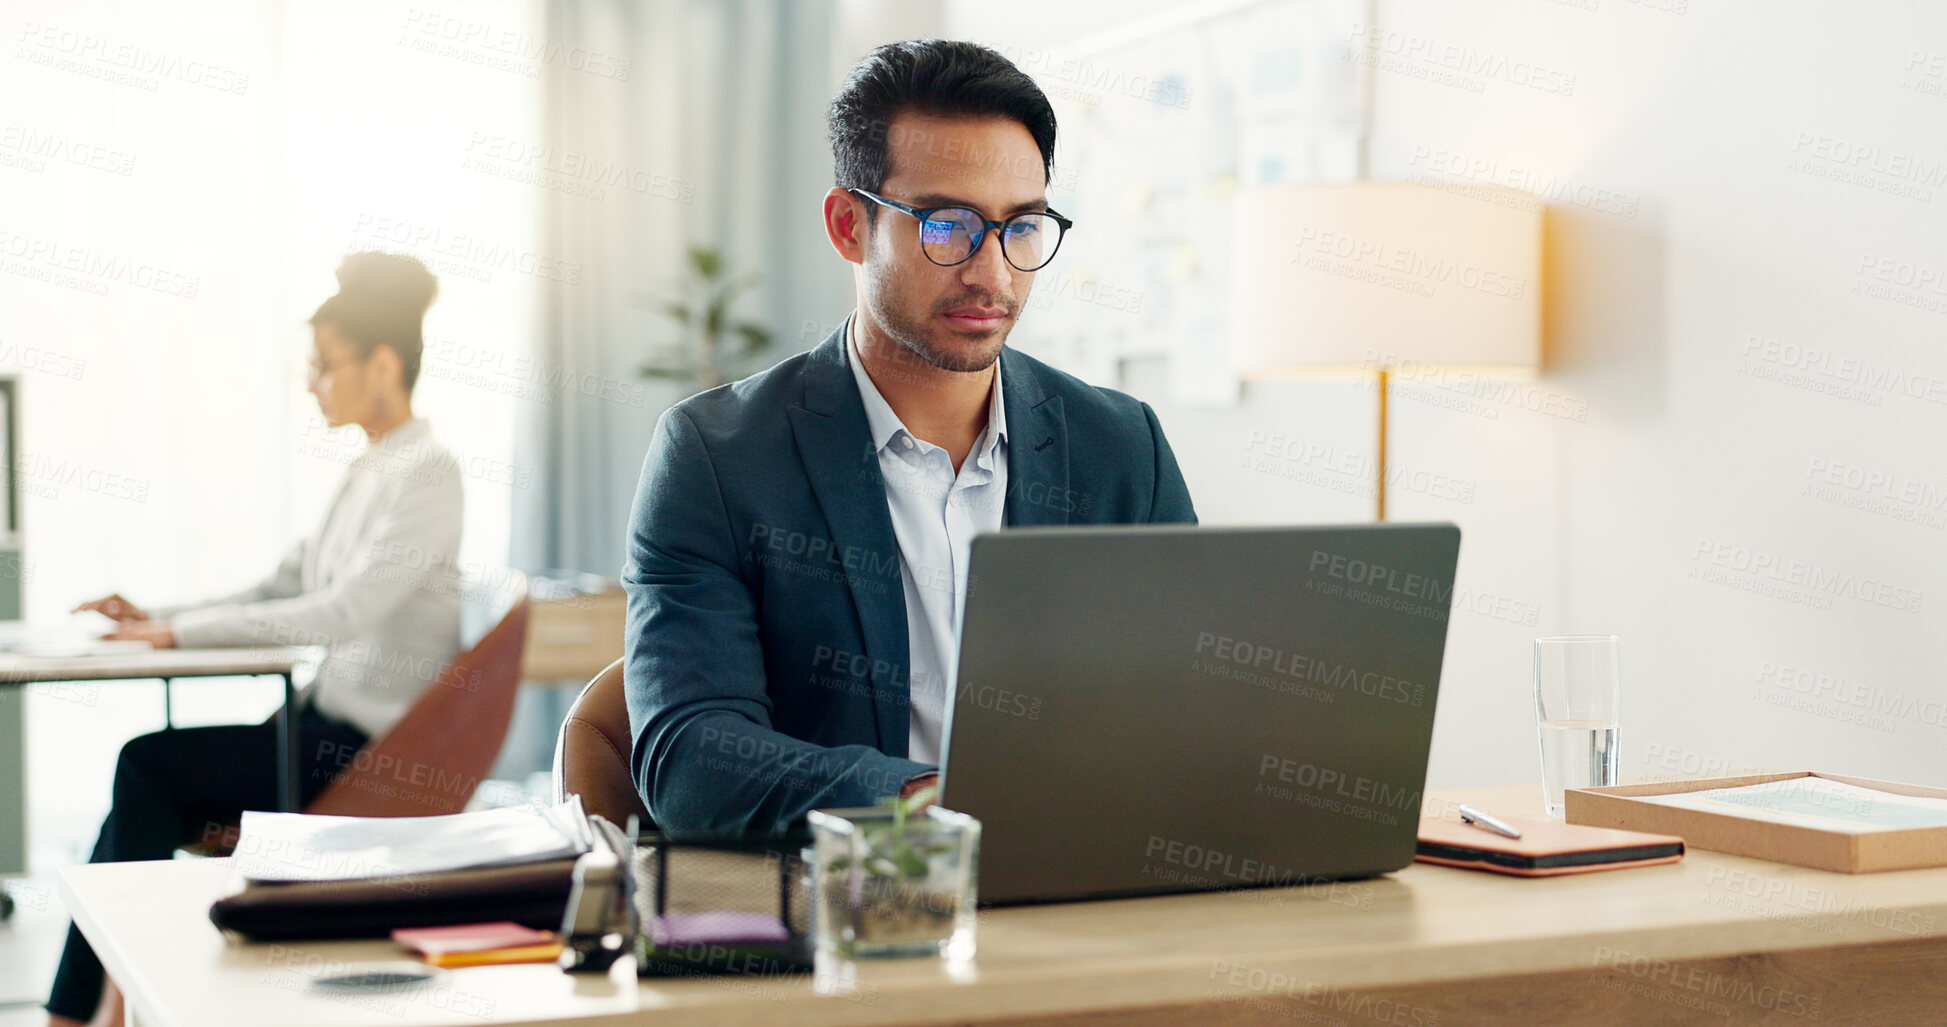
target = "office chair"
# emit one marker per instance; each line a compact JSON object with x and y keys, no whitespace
{"x":591,"y":753}
{"x":434,"y":758}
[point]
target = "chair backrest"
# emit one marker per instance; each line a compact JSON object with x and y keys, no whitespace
{"x":591,"y":755}
{"x":438,"y":753}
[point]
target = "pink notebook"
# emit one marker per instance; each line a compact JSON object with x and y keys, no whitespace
{"x":438,"y":941}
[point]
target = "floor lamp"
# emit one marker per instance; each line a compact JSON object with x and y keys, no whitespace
{"x":1386,"y":279}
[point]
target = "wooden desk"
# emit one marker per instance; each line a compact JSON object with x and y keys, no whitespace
{"x":166,"y":665}
{"x":574,"y":637}
{"x":1714,"y":939}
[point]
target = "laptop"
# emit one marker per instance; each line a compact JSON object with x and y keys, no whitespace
{"x":1168,"y":708}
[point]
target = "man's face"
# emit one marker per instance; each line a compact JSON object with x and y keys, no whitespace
{"x":955,"y":318}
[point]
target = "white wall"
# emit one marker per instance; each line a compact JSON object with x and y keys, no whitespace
{"x":177,"y":184}
{"x":169,"y":448}
{"x":1720,"y":172}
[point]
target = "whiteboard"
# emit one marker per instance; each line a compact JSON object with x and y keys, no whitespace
{"x":1161,"y":124}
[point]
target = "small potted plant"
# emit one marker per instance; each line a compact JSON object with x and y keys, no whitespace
{"x":895,"y":880}
{"x":713,"y":347}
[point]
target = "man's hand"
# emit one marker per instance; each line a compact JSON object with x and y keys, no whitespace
{"x":115,"y":608}
{"x":923,"y":781}
{"x":156,"y":633}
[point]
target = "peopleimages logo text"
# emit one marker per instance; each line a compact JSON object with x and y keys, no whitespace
{"x":1299,"y":667}
{"x":1718,"y":556}
{"x":1376,"y":575}
{"x":1333,"y":782}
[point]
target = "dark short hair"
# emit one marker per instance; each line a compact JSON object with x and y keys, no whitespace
{"x":933,"y":76}
{"x":381,"y":301}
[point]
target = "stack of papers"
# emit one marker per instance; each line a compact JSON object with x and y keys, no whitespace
{"x":63,"y":639}
{"x":1816,"y":802}
{"x":286,"y":847}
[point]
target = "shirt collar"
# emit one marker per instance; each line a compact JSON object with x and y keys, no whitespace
{"x":401,"y":443}
{"x":886,"y":426}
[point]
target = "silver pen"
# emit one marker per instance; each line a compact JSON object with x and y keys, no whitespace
{"x":1470,"y":815}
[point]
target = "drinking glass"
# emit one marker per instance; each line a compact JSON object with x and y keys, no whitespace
{"x":1578,"y":686}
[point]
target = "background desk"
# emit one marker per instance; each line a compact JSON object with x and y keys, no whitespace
{"x":1714,"y":939}
{"x":17,"y":672}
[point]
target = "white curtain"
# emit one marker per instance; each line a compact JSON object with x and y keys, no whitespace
{"x":717,"y":127}
{"x":702,"y":123}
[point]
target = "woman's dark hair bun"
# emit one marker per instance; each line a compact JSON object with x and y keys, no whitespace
{"x":381,"y":301}
{"x":392,"y":279}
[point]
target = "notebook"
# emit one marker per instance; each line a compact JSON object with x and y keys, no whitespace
{"x":487,"y":944}
{"x":1546,"y":847}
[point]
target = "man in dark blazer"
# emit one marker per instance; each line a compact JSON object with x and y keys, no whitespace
{"x":797,"y":548}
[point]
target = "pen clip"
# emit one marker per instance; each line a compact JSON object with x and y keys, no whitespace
{"x":1470,"y":815}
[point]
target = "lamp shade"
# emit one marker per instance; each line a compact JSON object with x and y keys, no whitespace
{"x":1379,"y":275}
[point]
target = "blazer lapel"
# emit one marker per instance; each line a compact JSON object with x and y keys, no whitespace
{"x":1037,"y":449}
{"x":836,"y":447}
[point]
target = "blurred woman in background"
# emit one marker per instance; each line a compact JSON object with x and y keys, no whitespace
{"x":376,"y":585}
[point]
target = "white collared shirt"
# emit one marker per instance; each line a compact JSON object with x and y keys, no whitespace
{"x":935,"y":515}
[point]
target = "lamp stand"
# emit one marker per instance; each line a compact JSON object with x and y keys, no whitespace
{"x":1379,"y":486}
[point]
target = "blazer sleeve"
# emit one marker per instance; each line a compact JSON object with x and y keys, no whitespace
{"x":705,"y":757}
{"x":408,"y":550}
{"x":1171,"y":502}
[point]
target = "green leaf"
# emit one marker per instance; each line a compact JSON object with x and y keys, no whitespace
{"x":919,"y":800}
{"x":738,"y":286}
{"x":755,"y":336}
{"x":677,"y":310}
{"x":706,"y":262}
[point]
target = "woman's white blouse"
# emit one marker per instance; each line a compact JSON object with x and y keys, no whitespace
{"x":377,"y":585}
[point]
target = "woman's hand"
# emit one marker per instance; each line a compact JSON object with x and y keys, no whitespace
{"x":155,"y":632}
{"x":115,"y":608}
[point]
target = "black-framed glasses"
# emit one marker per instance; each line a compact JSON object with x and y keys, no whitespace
{"x":318,"y":367}
{"x":952,"y":234}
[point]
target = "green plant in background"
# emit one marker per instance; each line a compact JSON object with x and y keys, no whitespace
{"x":711,"y":343}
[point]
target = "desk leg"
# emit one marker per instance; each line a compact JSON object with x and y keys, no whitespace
{"x":287,"y":750}
{"x":168,"y":704}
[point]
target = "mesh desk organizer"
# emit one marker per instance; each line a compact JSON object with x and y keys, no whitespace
{"x":691,"y":907}
{"x":722,"y":907}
